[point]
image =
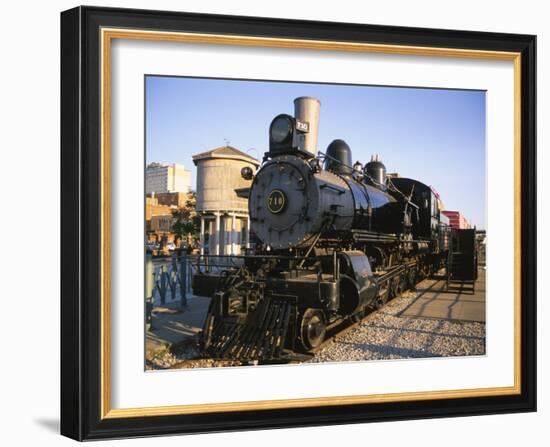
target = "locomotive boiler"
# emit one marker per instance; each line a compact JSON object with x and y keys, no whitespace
{"x":335,"y":240}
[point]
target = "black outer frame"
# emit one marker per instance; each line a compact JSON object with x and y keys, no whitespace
{"x":81,"y":207}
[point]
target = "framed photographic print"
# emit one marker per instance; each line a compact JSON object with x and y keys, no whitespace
{"x":277,"y":223}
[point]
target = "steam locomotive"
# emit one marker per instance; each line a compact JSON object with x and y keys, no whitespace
{"x":335,"y":241}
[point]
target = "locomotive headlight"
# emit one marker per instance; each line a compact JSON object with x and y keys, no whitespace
{"x":280,"y":129}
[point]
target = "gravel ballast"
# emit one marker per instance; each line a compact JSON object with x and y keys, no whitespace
{"x":387,"y":335}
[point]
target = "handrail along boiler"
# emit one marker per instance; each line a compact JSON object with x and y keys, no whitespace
{"x":334,"y":242}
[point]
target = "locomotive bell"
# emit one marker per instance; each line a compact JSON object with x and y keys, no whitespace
{"x":376,"y":170}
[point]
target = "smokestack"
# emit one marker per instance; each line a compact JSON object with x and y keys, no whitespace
{"x":306,"y":109}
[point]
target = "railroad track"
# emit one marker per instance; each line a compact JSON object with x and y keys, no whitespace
{"x":334,"y":333}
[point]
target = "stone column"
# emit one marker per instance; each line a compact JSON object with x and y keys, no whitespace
{"x":233,"y":235}
{"x":217,"y":248}
{"x":202,"y":235}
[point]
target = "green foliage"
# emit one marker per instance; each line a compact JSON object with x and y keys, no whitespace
{"x":186,"y":222}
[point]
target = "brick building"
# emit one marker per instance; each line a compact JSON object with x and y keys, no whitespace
{"x":177,"y":199}
{"x":158,"y":220}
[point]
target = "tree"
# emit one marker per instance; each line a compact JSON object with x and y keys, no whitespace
{"x":186,"y":222}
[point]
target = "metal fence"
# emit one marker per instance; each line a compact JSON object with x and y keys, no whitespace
{"x":215,"y":263}
{"x":168,"y":281}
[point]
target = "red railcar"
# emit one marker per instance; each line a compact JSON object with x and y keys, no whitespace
{"x":457,"y":221}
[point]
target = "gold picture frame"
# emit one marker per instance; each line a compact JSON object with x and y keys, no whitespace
{"x":103,"y":27}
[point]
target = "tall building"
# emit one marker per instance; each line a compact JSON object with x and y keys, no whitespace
{"x":162,"y":177}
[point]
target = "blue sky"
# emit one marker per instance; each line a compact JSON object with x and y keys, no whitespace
{"x":433,"y":135}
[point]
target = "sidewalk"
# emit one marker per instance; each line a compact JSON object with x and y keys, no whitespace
{"x":171,"y":325}
{"x":455,"y":304}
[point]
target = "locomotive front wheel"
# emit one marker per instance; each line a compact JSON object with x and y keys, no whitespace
{"x":313,"y":329}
